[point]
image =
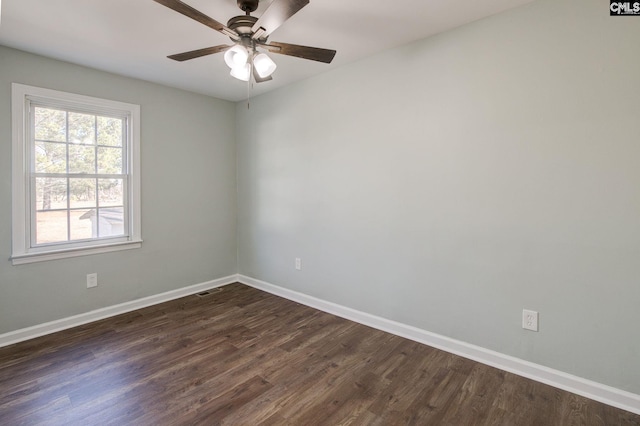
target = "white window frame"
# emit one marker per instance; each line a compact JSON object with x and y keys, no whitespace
{"x":22,"y":250}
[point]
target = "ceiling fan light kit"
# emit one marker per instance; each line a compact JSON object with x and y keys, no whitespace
{"x":235,"y":57}
{"x":241,"y":61}
{"x":264,"y":65}
{"x":242,"y":73}
{"x":248,"y":34}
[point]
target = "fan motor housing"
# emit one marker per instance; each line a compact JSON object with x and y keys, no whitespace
{"x":242,"y":24}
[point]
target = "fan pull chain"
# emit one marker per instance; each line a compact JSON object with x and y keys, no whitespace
{"x":249,"y":87}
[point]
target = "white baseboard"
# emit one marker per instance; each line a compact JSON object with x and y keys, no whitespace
{"x":76,"y":320}
{"x":578,"y":385}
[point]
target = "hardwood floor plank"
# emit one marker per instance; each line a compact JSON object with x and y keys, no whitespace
{"x":471,"y":404}
{"x":240,"y":356}
{"x":366,"y":418}
{"x":224,"y":405}
{"x":345,"y":403}
{"x":417,"y":372}
{"x":432,"y":403}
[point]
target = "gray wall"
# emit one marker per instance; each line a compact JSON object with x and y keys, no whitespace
{"x":450,"y":183}
{"x":188,"y":198}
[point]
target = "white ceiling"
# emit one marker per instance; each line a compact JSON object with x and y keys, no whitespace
{"x":133,"y":37}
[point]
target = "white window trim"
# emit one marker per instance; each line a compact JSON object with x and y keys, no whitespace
{"x":21,"y":251}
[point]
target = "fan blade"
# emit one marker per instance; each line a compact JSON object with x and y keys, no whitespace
{"x":304,"y":52}
{"x":259,"y":79}
{"x":277,"y":12}
{"x":198,"y":53}
{"x":196,"y":15}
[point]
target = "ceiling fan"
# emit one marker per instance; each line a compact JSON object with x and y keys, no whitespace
{"x":249,"y":34}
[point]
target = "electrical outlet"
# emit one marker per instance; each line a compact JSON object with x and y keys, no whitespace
{"x":92,"y":280}
{"x":298,"y":264}
{"x":529,"y":320}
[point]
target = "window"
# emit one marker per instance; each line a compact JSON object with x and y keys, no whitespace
{"x":76,"y":185}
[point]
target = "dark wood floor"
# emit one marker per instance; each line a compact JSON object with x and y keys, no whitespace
{"x":244,"y":357}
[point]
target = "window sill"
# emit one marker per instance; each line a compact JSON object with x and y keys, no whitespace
{"x":75,"y":252}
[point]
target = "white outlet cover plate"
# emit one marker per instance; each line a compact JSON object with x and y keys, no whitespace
{"x":92,"y":280}
{"x":529,"y":320}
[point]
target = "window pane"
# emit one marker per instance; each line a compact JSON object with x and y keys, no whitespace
{"x":51,"y":193}
{"x":111,"y":222}
{"x":110,"y":192}
{"x":82,"y":224}
{"x":82,"y":159}
{"x":82,"y":192}
{"x":109,"y":160}
{"x":74,"y":167}
{"x":51,"y":227}
{"x":51,"y":157}
{"x":109,"y":131}
{"x":82,"y":128}
{"x":50,"y":124}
